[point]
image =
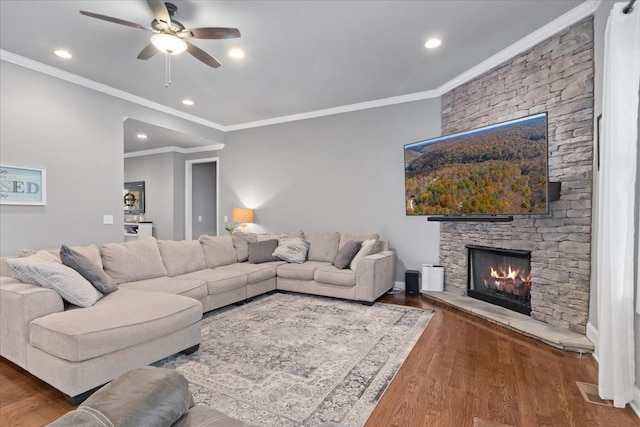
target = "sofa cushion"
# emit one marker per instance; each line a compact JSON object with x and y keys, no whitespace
{"x":67,"y":282}
{"x":346,"y":253}
{"x":292,"y":250}
{"x":260,"y":252}
{"x":119,"y":320}
{"x":181,"y":256}
{"x":300,"y":271}
{"x":218,"y":281}
{"x":88,"y":269}
{"x":334,"y":276}
{"x":255,"y":272}
{"x":345,"y":237}
{"x":241,"y":243}
{"x":218,"y":250}
{"x":131,"y":261}
{"x":366,"y":249}
{"x":191,"y":288}
{"x":323,"y":246}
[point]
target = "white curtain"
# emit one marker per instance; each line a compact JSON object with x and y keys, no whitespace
{"x":616,"y":225}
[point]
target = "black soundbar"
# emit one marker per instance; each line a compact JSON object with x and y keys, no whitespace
{"x":492,"y":218}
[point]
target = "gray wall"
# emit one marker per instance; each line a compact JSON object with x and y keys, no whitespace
{"x":77,"y":135}
{"x":342,"y":172}
{"x":157,"y":172}
{"x":164,"y":176}
{"x":203,"y":218}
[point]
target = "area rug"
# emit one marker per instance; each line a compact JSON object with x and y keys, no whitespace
{"x":299,"y":360}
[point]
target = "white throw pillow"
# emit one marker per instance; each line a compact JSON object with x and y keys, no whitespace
{"x":293,"y":250}
{"x":18,"y":266}
{"x":365,"y":250}
{"x":71,"y":286}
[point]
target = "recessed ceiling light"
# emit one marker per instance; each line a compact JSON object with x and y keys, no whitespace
{"x":187,"y":102}
{"x":63,"y":54}
{"x":236,"y":52}
{"x":431,"y":43}
{"x":142,"y":136}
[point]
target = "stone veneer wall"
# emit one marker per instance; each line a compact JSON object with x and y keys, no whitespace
{"x":555,"y":76}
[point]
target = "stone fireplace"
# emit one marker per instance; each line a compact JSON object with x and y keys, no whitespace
{"x":555,"y":76}
{"x":500,"y":276}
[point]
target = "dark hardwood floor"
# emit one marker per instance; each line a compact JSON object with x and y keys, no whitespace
{"x":461,"y":369}
{"x":464,"y":368}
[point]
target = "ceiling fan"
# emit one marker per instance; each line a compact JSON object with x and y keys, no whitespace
{"x":170,"y":34}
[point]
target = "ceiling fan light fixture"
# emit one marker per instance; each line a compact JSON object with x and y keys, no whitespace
{"x":169,"y":44}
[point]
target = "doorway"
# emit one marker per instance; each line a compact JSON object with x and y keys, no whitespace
{"x":201,"y":197}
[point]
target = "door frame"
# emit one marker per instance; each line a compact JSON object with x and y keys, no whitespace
{"x":188,"y":192}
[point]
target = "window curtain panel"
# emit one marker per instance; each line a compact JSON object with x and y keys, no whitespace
{"x":617,"y":220}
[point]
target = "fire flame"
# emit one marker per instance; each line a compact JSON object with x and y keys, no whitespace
{"x":511,"y":274}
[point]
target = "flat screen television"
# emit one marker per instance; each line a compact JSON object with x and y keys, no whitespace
{"x":500,"y":169}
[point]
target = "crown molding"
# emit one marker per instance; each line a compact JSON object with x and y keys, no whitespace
{"x":576,"y":14}
{"x":564,"y":21}
{"x":174,"y":149}
{"x":99,"y":87}
{"x":401,"y":99}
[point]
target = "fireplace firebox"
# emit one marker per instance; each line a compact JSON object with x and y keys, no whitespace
{"x":500,"y":276}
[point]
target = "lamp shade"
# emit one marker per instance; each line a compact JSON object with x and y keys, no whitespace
{"x":242,"y":215}
{"x":167,"y":43}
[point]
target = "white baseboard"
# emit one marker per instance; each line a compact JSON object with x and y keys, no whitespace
{"x":594,"y":337}
{"x":400,"y":285}
{"x":635,"y":403}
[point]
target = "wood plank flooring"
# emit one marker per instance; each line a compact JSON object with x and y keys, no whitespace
{"x":464,"y":368}
{"x":463,"y":371}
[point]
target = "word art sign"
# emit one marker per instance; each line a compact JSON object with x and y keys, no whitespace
{"x":22,"y":185}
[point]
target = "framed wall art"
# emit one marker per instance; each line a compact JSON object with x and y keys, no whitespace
{"x":22,"y":185}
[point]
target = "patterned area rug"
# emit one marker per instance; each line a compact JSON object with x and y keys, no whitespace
{"x":298,"y":360}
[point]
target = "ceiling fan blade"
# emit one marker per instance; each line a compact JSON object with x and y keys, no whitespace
{"x":213,"y":33}
{"x":114,"y":20}
{"x":203,"y":56}
{"x":160,"y":12}
{"x":148,"y":52}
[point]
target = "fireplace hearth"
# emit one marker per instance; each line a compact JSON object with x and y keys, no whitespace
{"x":500,"y":276}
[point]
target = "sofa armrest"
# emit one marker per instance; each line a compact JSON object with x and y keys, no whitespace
{"x":20,"y":303}
{"x":374,"y":275}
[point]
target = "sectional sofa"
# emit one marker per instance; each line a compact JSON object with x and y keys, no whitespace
{"x":163,"y":289}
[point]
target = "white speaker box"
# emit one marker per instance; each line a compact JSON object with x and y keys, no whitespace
{"x":432,"y":278}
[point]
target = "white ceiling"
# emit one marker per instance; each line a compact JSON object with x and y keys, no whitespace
{"x":301,"y":56}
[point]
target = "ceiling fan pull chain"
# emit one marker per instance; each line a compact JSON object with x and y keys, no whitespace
{"x":167,"y":70}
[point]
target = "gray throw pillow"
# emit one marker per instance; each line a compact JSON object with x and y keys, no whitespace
{"x":260,"y":252}
{"x":346,"y":253}
{"x":241,"y":244}
{"x":292,"y":250}
{"x":88,"y":269}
